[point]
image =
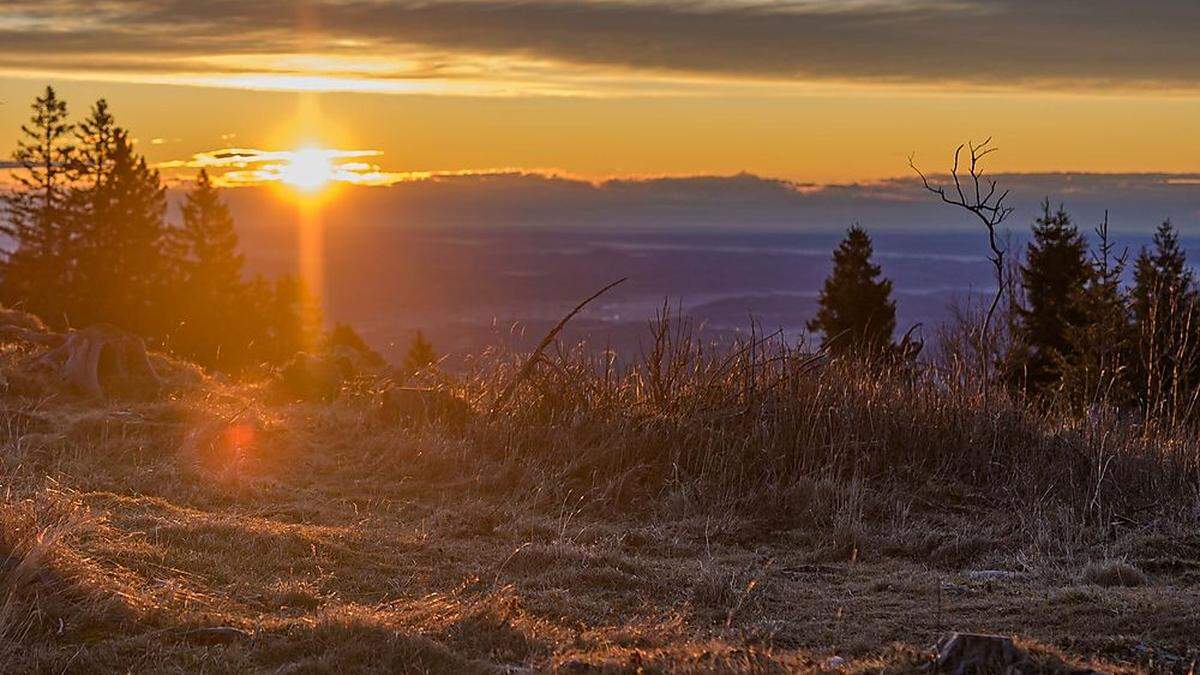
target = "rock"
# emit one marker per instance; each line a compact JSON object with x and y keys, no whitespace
{"x":972,"y":653}
{"x":834,"y":662}
{"x":414,"y":405}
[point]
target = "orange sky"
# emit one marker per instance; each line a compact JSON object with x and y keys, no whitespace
{"x":804,"y":89}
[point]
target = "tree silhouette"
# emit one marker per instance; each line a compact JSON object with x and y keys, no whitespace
{"x":1164,"y":302}
{"x":1102,"y":345}
{"x":97,"y":135}
{"x":343,"y":336}
{"x":857,"y":314}
{"x":37,"y":274}
{"x":215,"y":313}
{"x":92,"y":245}
{"x":1053,"y":277}
{"x":124,"y":270}
{"x":289,"y":320}
{"x":982,"y":198}
{"x":420,"y":354}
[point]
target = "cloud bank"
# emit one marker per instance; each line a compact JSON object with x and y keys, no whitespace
{"x":1136,"y":203}
{"x":613,"y":46}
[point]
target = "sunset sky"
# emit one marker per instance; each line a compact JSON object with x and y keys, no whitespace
{"x":808,"y":90}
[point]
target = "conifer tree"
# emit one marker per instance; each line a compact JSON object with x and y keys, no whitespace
{"x":125,"y":274}
{"x":96,"y":136}
{"x":1161,"y":275}
{"x":343,"y":336}
{"x":420,"y":354}
{"x":289,"y":319}
{"x":92,"y":246}
{"x":1102,"y":345}
{"x":214,"y":313}
{"x":1164,"y":301}
{"x":37,"y":274}
{"x":1054,"y":278}
{"x":856,"y":314}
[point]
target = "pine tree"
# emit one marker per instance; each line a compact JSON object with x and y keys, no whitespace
{"x":125,"y":273}
{"x":37,"y":274}
{"x":97,"y":136}
{"x":214,"y":311}
{"x":1161,"y":275}
{"x":1164,"y":301}
{"x":1054,"y":279}
{"x":289,"y":320}
{"x":420,"y":354}
{"x":857,"y":314}
{"x":344,"y":337}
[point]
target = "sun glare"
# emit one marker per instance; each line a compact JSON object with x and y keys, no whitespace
{"x":308,"y":170}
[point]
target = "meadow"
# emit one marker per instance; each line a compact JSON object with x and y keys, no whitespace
{"x":744,"y":509}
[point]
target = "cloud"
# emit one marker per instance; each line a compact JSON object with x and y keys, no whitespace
{"x":245,"y":167}
{"x":597,"y":45}
{"x":1136,"y":203}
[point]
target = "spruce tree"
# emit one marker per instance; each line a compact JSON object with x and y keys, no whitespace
{"x":344,"y":337}
{"x":125,"y":273}
{"x":1162,"y":275}
{"x":37,"y":274}
{"x":856,"y":314}
{"x":289,"y":319}
{"x":1164,"y":300}
{"x":96,"y":136}
{"x":213,"y":313}
{"x":1054,"y":278}
{"x":420,"y":354}
{"x":1102,"y":345}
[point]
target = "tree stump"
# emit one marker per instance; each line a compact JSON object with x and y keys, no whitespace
{"x":103,"y":357}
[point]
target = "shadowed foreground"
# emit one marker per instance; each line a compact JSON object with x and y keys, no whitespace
{"x":211,"y":528}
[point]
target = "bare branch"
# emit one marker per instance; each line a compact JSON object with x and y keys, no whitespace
{"x":989,"y":209}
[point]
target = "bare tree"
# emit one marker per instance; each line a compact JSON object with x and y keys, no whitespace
{"x":980,"y":197}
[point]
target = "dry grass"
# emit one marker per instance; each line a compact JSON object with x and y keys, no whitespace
{"x":750,"y":511}
{"x":1113,"y":573}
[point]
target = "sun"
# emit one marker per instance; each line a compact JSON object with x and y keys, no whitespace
{"x":308,"y":169}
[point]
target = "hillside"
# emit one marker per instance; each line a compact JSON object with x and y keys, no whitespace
{"x":755,"y":511}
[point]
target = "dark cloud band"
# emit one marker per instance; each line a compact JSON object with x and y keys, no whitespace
{"x":1062,"y":43}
